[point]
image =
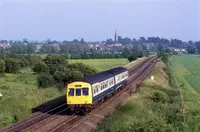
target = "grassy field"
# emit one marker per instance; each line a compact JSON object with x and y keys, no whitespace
{"x":102,"y":64}
{"x":20,"y":91}
{"x":20,"y":94}
{"x":187,"y":72}
{"x":155,"y":106}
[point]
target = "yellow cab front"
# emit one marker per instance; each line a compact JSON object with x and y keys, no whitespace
{"x":79,"y":93}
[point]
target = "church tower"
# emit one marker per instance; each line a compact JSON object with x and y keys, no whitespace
{"x":116,"y":36}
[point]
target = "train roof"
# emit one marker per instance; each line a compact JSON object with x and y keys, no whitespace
{"x":117,"y":70}
{"x":99,"y":77}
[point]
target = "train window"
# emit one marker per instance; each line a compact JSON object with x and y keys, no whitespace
{"x":85,"y":91}
{"x":106,"y":84}
{"x":95,"y":91}
{"x":110,"y":82}
{"x":71,"y":92}
{"x":99,"y":86}
{"x":78,"y":92}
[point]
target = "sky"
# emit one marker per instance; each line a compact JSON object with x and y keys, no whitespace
{"x":96,"y":20}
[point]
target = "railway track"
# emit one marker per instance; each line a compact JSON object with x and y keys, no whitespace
{"x":62,"y":121}
{"x":32,"y":119}
{"x":91,"y":120}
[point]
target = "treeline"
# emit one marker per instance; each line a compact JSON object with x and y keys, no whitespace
{"x":46,"y":49}
{"x":11,"y":63}
{"x":48,"y":41}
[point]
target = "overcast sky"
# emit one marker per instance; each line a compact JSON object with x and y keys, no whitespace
{"x":97,"y":19}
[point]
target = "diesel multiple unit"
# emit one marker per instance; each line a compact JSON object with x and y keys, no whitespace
{"x":92,"y":88}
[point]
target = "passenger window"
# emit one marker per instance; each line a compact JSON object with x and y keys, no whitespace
{"x":85,"y":91}
{"x":78,"y":92}
{"x":71,"y":92}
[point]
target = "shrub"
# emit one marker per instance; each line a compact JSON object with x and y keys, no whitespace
{"x":86,"y":70}
{"x":54,"y":62}
{"x":67,"y":75}
{"x":44,"y":80}
{"x":2,"y":68}
{"x":30,"y":60}
{"x":160,"y":97}
{"x":40,"y":67}
{"x":12,"y":65}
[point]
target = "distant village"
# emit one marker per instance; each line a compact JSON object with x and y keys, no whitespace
{"x":108,"y":45}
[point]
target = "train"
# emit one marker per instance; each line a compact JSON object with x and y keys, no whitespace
{"x":81,"y":95}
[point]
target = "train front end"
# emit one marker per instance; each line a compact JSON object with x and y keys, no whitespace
{"x":78,"y":96}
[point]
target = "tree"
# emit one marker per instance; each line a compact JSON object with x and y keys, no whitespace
{"x":191,"y":50}
{"x":109,"y":41}
{"x":164,"y":57}
{"x":190,"y":42}
{"x":2,"y":68}
{"x":25,"y":40}
{"x":198,"y":46}
{"x":142,"y":40}
{"x":75,"y":41}
{"x":133,"y":57}
{"x":18,"y":49}
{"x":30,"y":60}
{"x":44,"y":80}
{"x":160,"y":47}
{"x":82,"y":41}
{"x":11,"y":65}
{"x":49,"y":49}
{"x":66,"y":75}
{"x":41,"y":67}
{"x":198,"y":49}
{"x":126,"y":53}
{"x":125,"y":41}
{"x":84,"y":69}
{"x":48,"y":41}
{"x":31,"y":48}
{"x":55,"y":62}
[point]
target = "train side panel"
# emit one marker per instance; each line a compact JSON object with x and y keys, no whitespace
{"x":116,"y":81}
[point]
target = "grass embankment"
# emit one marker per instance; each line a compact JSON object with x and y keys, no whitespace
{"x":21,"y":94}
{"x":187,"y":73}
{"x":155,"y":106}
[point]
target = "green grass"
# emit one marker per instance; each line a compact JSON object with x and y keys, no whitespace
{"x":155,"y":106}
{"x":20,"y":95}
{"x":187,"y":71}
{"x":102,"y":64}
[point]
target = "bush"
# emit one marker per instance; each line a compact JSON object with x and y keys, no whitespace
{"x":67,"y":75}
{"x":160,"y":97}
{"x":12,"y":65}
{"x":134,"y":56}
{"x":54,"y":62}
{"x":2,"y":68}
{"x":44,"y":80}
{"x":86,"y":70}
{"x":40,"y":67}
{"x":30,"y":60}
